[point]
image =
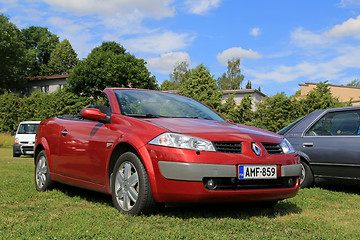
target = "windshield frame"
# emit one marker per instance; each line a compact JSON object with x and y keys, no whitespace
{"x":167,"y":105}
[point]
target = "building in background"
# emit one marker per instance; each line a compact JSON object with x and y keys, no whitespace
{"x":344,"y":93}
{"x":239,"y":94}
{"x":47,"y":84}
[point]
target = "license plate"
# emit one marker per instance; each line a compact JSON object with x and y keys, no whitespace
{"x":257,"y":172}
{"x":29,"y":152}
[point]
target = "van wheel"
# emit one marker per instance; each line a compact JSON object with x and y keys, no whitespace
{"x":130,"y":187}
{"x":16,"y":155}
{"x":42,"y":173}
{"x":307,"y":177}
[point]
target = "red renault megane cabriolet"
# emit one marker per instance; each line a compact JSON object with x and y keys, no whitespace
{"x":147,"y":147}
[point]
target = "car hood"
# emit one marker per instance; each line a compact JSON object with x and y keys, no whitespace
{"x":214,"y":130}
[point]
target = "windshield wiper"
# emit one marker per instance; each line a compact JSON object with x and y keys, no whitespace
{"x":148,"y":115}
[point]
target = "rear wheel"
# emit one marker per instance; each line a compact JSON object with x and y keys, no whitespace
{"x":42,"y":173}
{"x":307,"y":177}
{"x":130,"y":187}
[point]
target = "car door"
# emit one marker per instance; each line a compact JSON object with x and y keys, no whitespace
{"x":83,"y":150}
{"x":332,"y":144}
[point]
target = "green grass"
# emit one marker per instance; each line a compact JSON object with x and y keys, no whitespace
{"x":6,"y":140}
{"x":71,"y":213}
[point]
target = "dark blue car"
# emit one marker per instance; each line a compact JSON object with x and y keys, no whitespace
{"x":328,"y":142}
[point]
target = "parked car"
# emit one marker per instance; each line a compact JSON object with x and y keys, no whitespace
{"x":24,"y":141}
{"x":147,"y":147}
{"x":328,"y":142}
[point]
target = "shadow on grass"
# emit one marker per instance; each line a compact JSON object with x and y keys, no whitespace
{"x":346,"y":186}
{"x":195,"y":210}
{"x":231,"y":210}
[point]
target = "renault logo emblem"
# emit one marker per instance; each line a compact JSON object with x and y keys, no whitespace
{"x":256,"y":149}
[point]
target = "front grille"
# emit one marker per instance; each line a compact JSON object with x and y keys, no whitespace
{"x":272,"y":148}
{"x":228,"y":147}
{"x":228,"y":184}
{"x":27,"y":148}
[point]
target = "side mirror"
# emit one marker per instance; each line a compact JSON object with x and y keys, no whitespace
{"x":94,"y":115}
{"x":230,"y":121}
{"x":12,"y":133}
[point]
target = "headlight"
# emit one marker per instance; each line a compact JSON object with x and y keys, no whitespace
{"x":16,"y":141}
{"x":182,"y":141}
{"x":286,"y":146}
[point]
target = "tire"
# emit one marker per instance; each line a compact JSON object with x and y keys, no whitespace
{"x":307,"y":178}
{"x":42,"y":173}
{"x":16,"y":155}
{"x":130,"y":187}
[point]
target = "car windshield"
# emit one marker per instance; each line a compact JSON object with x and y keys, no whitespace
{"x":152,"y":104}
{"x":28,"y":128}
{"x":287,"y":128}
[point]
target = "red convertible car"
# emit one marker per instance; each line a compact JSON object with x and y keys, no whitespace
{"x":149,"y":147}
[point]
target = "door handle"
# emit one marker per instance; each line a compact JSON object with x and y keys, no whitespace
{"x":308,"y":144}
{"x":64,"y":133}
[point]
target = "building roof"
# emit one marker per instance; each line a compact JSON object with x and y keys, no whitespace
{"x":331,"y":85}
{"x":243,"y":91}
{"x":51,"y":77}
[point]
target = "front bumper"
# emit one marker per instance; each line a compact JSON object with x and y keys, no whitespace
{"x":21,"y":149}
{"x":198,"y":171}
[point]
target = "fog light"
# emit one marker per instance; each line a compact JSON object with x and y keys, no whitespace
{"x":211,"y":184}
{"x":291,"y":182}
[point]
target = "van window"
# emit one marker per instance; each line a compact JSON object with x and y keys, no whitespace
{"x":28,"y":128}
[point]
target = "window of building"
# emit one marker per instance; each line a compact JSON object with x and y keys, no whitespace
{"x":45,"y":88}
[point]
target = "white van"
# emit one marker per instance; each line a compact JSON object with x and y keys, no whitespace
{"x":25,"y":138}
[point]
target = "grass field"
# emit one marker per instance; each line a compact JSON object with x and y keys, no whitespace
{"x":6,"y":140}
{"x":72,"y":213}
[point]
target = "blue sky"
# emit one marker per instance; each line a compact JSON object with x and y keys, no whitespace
{"x":281,"y":43}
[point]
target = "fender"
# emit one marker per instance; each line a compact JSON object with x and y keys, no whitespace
{"x":140,"y":148}
{"x":305,"y":157}
{"x":44,"y":143}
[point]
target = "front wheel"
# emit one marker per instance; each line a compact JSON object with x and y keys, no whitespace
{"x":307,"y":177}
{"x":42,"y":173}
{"x":130,"y":187}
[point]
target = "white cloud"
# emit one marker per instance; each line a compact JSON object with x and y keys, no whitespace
{"x":254,"y":32}
{"x":304,"y":38}
{"x":201,"y":7}
{"x":167,"y":61}
{"x":159,"y":43}
{"x":349,"y":3}
{"x":347,"y":28}
{"x":115,"y":8}
{"x":237,"y":52}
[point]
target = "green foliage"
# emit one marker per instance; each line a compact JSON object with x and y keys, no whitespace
{"x":39,"y":42}
{"x":201,"y":86}
{"x":62,"y":59}
{"x":179,"y":75}
{"x":354,"y":83}
{"x":13,"y":58}
{"x":276,"y":112}
{"x":233,"y":78}
{"x":320,"y":98}
{"x":228,"y":109}
{"x":109,"y":66}
{"x":248,"y":85}
{"x":245,"y":111}
{"x":38,"y":106}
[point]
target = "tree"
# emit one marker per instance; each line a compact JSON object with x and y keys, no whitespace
{"x":201,"y":86}
{"x":248,"y":85}
{"x":228,"y":109}
{"x":179,"y":75}
{"x":62,"y":60}
{"x":233,"y":78}
{"x":276,"y":112}
{"x":245,"y":110}
{"x":109,"y":65}
{"x":320,"y":98}
{"x":354,"y":83}
{"x":13,"y":59}
{"x":39,"y":42}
